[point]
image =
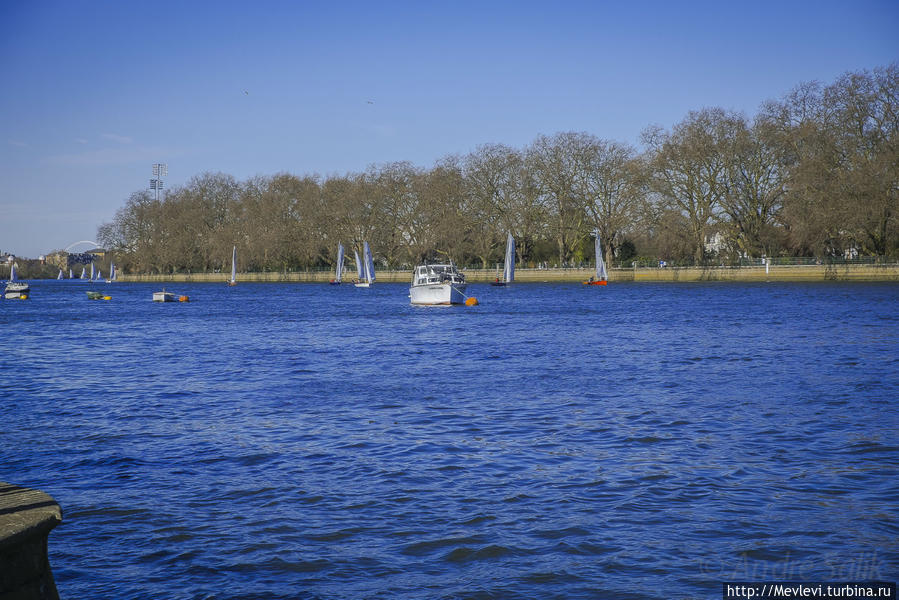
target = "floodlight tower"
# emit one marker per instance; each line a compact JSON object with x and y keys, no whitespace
{"x":160,"y":170}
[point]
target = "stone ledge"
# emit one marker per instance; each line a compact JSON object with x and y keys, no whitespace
{"x":26,"y":518}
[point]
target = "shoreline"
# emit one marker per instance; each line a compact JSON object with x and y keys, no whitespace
{"x":786,"y":273}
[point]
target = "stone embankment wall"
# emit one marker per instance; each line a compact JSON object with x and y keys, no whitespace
{"x":809,"y":273}
{"x":26,"y":518}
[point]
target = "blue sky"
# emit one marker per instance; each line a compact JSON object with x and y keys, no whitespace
{"x":95,"y":92}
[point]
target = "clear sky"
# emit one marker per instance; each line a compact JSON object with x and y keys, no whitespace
{"x":94,"y":92}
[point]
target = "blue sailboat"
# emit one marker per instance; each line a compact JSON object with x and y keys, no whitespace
{"x":338,"y":274}
{"x":508,"y":264}
{"x":366,"y":267}
{"x":601,"y":277}
{"x":233,"y":280}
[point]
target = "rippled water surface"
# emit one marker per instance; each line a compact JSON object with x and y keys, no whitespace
{"x":314,"y":441}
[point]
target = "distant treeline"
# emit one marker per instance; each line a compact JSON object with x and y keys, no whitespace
{"x":815,"y":173}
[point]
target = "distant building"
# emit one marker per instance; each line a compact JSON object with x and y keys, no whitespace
{"x":714,"y":243}
{"x":64,"y":260}
{"x":58,"y":259}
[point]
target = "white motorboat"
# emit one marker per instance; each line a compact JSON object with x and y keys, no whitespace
{"x":437,"y":284}
{"x":163,"y":296}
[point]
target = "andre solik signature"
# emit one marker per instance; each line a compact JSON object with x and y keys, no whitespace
{"x":866,"y":566}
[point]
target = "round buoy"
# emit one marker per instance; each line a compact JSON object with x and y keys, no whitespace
{"x":183,"y":299}
{"x":107,"y":297}
{"x":471,"y":301}
{"x":23,"y":297}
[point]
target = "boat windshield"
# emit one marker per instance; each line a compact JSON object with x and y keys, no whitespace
{"x":437,"y":273}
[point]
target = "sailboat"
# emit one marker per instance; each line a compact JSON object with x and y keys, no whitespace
{"x":367,"y":267}
{"x":233,"y":280}
{"x":71,"y":275}
{"x":359,"y":270}
{"x":112,"y":273}
{"x":60,"y":274}
{"x":338,"y":274}
{"x":83,"y":273}
{"x":16,"y":289}
{"x":601,"y":277}
{"x":508,"y":265}
{"x":93,"y":272}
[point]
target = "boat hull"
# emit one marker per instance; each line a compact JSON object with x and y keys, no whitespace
{"x":16,"y":289}
{"x":600,"y":282}
{"x":163,"y":297}
{"x":437,"y":294}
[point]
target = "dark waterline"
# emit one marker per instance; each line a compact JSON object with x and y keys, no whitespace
{"x":315,"y":441}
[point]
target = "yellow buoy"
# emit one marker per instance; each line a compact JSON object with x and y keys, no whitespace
{"x":23,"y":297}
{"x":471,"y":301}
{"x":107,"y":297}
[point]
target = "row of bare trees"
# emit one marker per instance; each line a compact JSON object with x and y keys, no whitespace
{"x":815,"y":173}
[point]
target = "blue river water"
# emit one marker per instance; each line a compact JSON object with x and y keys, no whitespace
{"x":555,"y":441}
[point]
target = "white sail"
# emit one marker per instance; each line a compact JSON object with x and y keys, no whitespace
{"x":339,"y":269}
{"x":233,"y":265}
{"x":60,"y":274}
{"x":83,"y":273}
{"x":509,"y":266}
{"x":93,"y":272}
{"x":99,"y":274}
{"x":112,"y":273}
{"x":369,"y":264}
{"x":600,"y":263}
{"x":13,"y":276}
{"x":71,"y":275}
{"x":359,"y":266}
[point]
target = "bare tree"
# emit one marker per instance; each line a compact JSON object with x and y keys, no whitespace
{"x":609,"y":183}
{"x":689,"y":169}
{"x":755,"y":184}
{"x":557,"y":162}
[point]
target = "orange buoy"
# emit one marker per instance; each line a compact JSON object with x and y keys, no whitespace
{"x":471,"y":301}
{"x":183,"y":299}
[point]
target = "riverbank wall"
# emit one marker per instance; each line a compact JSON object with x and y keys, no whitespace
{"x":26,"y":518}
{"x":799,"y":273}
